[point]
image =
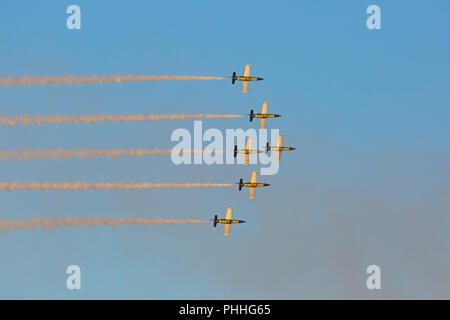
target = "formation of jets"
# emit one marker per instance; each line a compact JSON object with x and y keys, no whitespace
{"x":253,"y":184}
{"x":248,"y":149}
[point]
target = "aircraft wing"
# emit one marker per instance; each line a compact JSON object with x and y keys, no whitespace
{"x":246,"y":74}
{"x":247,"y":70}
{"x":248,"y":147}
{"x":229,"y":214}
{"x":227,"y":229}
{"x":254,"y":180}
{"x":280,"y":144}
{"x":228,"y":225}
{"x":246,"y":83}
{"x":264,"y":111}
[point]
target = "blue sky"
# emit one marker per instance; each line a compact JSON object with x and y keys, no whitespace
{"x":368,"y":111}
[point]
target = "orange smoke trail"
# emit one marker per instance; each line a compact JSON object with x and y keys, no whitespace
{"x":54,"y":154}
{"x":26,"y":120}
{"x":35,"y":222}
{"x":9,"y":81}
{"x":84,"y":186}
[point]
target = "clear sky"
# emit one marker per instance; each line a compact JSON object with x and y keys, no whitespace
{"x":369,"y":183}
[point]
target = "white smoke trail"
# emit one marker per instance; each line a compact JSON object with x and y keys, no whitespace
{"x":84,"y":186}
{"x":26,"y":120}
{"x":35,"y":222}
{"x":9,"y":81}
{"x":55,"y":154}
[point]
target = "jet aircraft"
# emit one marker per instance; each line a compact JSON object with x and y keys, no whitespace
{"x":228,"y":221}
{"x":247,"y":151}
{"x":263,"y":115}
{"x":253,"y":184}
{"x":246,"y":78}
{"x":279,"y":148}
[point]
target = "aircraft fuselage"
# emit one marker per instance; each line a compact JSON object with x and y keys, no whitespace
{"x":255,"y":185}
{"x":243,"y":78}
{"x":266,"y":115}
{"x":281,"y":148}
{"x":245,"y":151}
{"x":228,"y":221}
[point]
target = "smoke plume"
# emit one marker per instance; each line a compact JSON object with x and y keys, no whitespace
{"x":35,"y":222}
{"x":84,"y":186}
{"x":27,"y":120}
{"x":9,"y":81}
{"x":55,"y":154}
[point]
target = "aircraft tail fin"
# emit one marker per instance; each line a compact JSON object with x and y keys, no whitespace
{"x":241,"y":182}
{"x":267,"y":147}
{"x":252,"y":115}
{"x":215,"y":220}
{"x":233,"y":78}
{"x":235,"y":150}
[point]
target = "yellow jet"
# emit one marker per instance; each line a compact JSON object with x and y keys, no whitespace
{"x":228,"y":221}
{"x":263,"y":115}
{"x":279,"y":148}
{"x":247,"y":151}
{"x":253,"y":184}
{"x":246,"y":78}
